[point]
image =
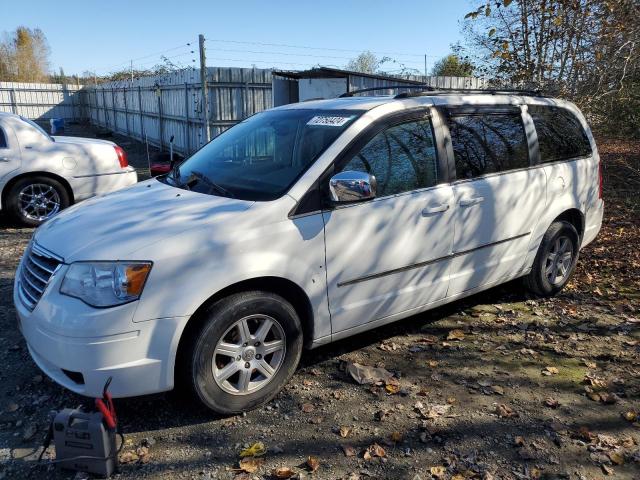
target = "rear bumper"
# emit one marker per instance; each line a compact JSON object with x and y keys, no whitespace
{"x":593,"y":223}
{"x":92,"y":185}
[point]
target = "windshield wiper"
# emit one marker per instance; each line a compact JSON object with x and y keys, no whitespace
{"x":195,"y":175}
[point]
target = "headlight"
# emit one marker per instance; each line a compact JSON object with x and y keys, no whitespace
{"x":105,"y":284}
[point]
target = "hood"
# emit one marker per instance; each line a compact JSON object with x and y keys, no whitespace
{"x":113,"y":226}
{"x":81,"y":141}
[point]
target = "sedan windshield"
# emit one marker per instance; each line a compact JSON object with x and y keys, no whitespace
{"x":261,"y":157}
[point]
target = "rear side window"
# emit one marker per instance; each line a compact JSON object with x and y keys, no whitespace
{"x":3,"y":139}
{"x":560,"y":134}
{"x":402,"y":158}
{"x":488,"y":143}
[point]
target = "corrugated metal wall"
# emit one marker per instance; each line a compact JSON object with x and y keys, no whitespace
{"x":155,"y":108}
{"x":357,"y":82}
{"x":43,"y":100}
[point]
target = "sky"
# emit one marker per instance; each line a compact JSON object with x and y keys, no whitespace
{"x":105,"y":36}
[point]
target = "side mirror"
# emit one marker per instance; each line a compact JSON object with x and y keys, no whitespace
{"x":350,"y":186}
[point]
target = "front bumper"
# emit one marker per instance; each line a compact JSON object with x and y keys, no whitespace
{"x":64,"y":339}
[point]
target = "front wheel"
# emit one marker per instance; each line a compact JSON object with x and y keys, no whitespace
{"x":247,"y":348}
{"x":34,"y":200}
{"x":555,"y":261}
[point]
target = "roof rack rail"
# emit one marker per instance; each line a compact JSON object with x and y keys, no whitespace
{"x":388,"y":87}
{"x":488,"y":91}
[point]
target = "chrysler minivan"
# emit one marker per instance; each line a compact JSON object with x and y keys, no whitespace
{"x":302,"y":225}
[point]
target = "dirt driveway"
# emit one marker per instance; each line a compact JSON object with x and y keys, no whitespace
{"x":499,"y":386}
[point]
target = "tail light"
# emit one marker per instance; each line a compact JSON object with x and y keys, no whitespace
{"x":600,"y":179}
{"x":122,"y":156}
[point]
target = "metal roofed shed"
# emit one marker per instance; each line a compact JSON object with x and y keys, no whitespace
{"x":324,"y":82}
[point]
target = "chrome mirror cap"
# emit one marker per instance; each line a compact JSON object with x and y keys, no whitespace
{"x":350,"y":186}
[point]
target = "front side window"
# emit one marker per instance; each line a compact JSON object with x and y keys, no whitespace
{"x":402,"y":158}
{"x":261,"y":157}
{"x":488,"y":143}
{"x":560,"y":134}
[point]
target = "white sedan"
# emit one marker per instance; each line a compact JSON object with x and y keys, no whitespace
{"x":41,"y":175}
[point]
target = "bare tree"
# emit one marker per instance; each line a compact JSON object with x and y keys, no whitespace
{"x":24,"y":56}
{"x":586,"y":50}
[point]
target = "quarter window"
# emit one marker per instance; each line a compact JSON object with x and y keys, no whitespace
{"x":560,"y":134}
{"x":488,"y":143}
{"x":3,"y":139}
{"x":402,"y":158}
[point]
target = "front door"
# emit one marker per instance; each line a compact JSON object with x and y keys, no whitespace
{"x":498,"y":197}
{"x":391,"y":254}
{"x":9,"y":151}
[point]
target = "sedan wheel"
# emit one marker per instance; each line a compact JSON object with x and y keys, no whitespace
{"x":39,"y":201}
{"x":34,"y":200}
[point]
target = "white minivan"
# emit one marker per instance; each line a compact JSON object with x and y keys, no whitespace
{"x":303,"y":225}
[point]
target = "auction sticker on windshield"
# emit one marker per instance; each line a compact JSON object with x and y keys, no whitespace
{"x":329,"y":121}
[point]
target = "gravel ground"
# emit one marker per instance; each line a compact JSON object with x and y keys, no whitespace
{"x":498,"y":386}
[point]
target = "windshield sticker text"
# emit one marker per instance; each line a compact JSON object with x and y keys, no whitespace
{"x":329,"y":121}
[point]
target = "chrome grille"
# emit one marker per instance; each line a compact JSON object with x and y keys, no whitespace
{"x":37,"y":268}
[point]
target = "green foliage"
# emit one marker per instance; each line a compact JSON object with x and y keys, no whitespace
{"x":452,"y":66}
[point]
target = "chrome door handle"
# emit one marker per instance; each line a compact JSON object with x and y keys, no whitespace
{"x":443,"y":207}
{"x":467,"y":202}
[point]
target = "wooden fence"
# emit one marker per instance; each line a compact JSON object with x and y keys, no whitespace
{"x":43,"y":100}
{"x":155,"y":109}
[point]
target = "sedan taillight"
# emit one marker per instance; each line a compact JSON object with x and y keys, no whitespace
{"x":122,"y":156}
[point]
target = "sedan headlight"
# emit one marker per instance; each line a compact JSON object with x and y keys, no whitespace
{"x":105,"y":284}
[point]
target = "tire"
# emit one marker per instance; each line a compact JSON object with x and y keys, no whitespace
{"x":541,"y":280}
{"x":54,"y":199}
{"x":223,"y":321}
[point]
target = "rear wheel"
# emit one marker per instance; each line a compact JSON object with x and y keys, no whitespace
{"x":34,"y":200}
{"x":245,"y":351}
{"x":555,"y":261}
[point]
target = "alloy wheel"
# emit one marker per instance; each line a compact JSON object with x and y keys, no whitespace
{"x":559,"y":260}
{"x":249,"y":354}
{"x":39,"y":201}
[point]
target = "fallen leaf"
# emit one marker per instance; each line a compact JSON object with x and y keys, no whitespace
{"x":250,"y":464}
{"x":518,"y":441}
{"x":616,"y":457}
{"x":438,"y":472}
{"x":313,"y":463}
{"x":128,"y":457}
{"x":451,"y":400}
{"x":630,"y":416}
{"x":392,"y":388}
{"x":256,"y":450}
{"x":551,"y":402}
{"x":456,"y":334}
{"x":345,"y":431}
{"x":366,"y":375}
{"x":307,"y":407}
{"x":550,"y":371}
{"x":433,"y":363}
{"x":396,"y":437}
{"x":375,"y":450}
{"x":349,"y":451}
{"x":283,"y":472}
{"x":504,"y":411}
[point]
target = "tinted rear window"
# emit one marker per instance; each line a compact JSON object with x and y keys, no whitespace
{"x":488,"y":143}
{"x":560,"y":134}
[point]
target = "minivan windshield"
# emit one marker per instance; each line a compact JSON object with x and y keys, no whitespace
{"x":261,"y":157}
